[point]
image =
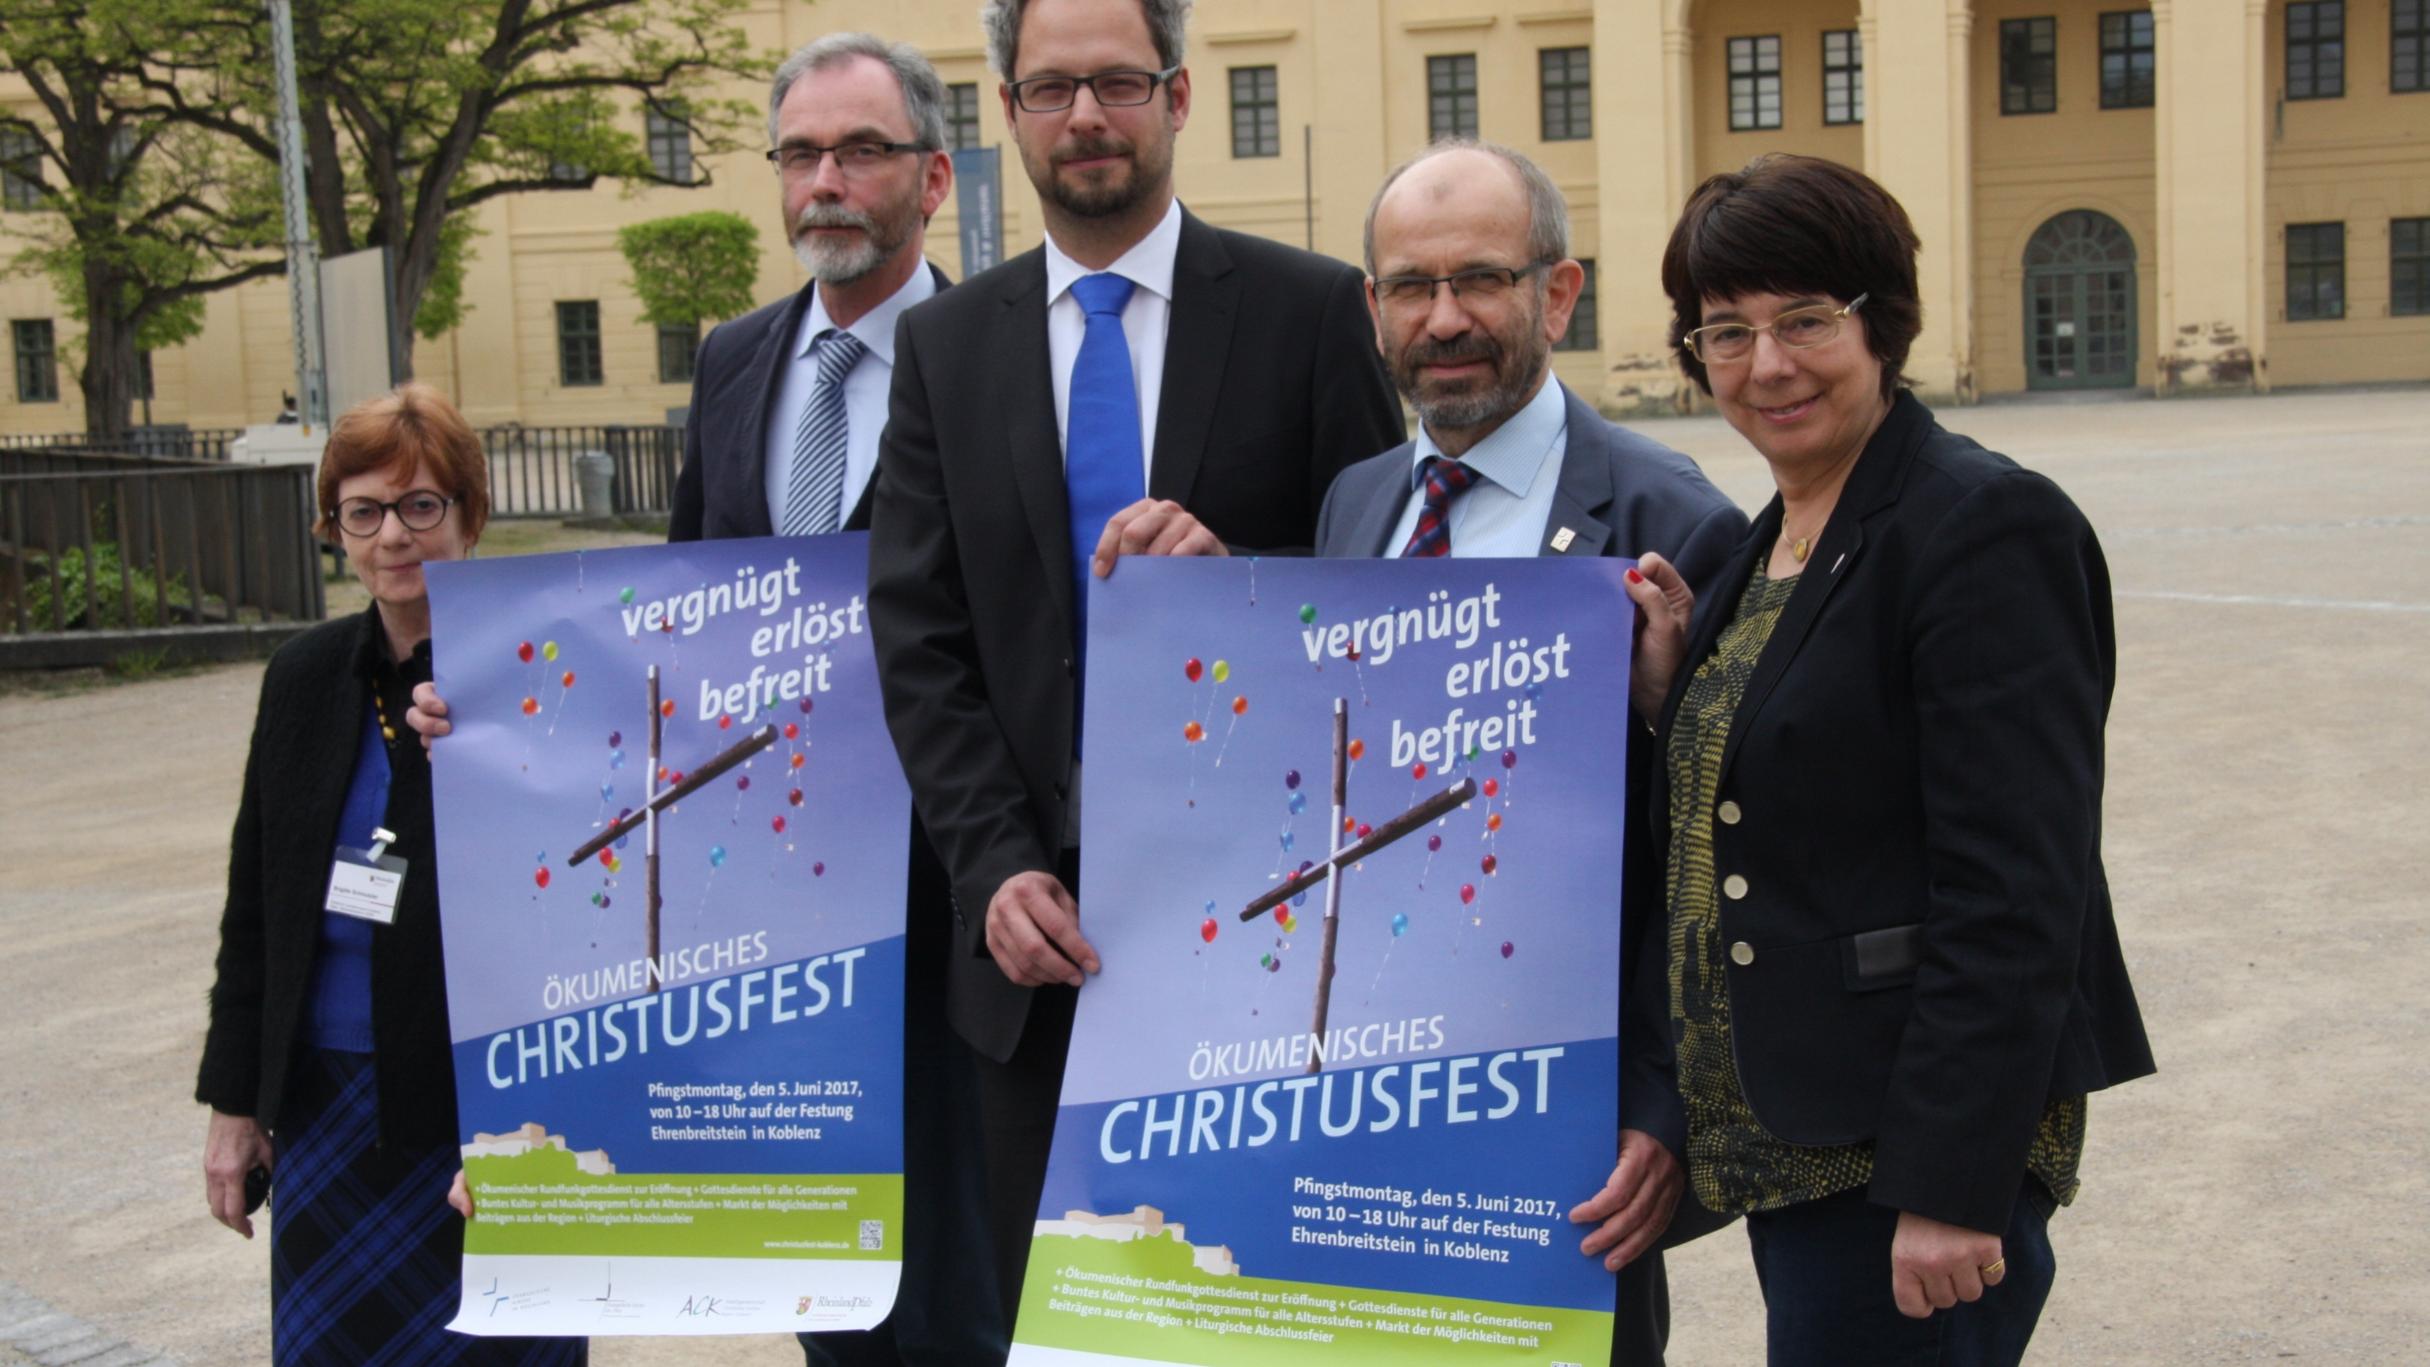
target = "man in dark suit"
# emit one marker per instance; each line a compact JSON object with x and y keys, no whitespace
{"x":1468,"y":246}
{"x":1142,"y":383}
{"x":787,"y":405}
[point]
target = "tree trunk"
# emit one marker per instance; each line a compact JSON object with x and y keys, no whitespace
{"x":108,"y":378}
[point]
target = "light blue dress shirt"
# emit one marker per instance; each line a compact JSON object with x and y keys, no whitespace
{"x":1502,"y":514}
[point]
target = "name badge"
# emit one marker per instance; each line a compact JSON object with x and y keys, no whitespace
{"x":365,"y":884}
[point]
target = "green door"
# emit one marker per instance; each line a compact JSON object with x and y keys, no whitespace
{"x":2080,"y":304}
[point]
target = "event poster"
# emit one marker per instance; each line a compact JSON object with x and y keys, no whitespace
{"x":1353,"y":1053}
{"x":672,"y":838}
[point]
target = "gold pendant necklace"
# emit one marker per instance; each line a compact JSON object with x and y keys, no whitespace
{"x":1800,"y":548}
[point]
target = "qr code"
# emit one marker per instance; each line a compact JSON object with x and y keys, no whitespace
{"x":873,"y":1235}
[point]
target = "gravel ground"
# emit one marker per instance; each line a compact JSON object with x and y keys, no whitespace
{"x":2262,"y":1199}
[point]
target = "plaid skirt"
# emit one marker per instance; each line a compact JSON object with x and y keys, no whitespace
{"x":366,"y":1258}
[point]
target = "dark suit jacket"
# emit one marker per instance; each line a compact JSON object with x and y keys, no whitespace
{"x":1916,"y":773}
{"x":305,"y":736}
{"x":1271,"y":385}
{"x":1619,"y":494}
{"x":722,"y":490}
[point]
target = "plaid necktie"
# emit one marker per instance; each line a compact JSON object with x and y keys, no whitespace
{"x":1446,"y":479}
{"x":814,"y":489}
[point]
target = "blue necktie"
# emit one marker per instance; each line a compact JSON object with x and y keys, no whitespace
{"x":1104,"y":470}
{"x":814,"y":488}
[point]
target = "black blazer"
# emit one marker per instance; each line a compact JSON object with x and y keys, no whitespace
{"x":1619,"y":494}
{"x":305,"y":736}
{"x":1271,"y":385}
{"x":722,"y":489}
{"x":1922,"y":949}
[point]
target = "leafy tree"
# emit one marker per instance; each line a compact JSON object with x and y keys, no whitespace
{"x":692,"y":267}
{"x":143,"y":216}
{"x":416,"y":112}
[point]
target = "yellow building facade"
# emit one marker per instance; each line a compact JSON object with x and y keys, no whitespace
{"x":2175,"y":196}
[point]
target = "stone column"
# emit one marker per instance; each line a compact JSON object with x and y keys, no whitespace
{"x":1919,"y":144}
{"x":2211,"y":161}
{"x":1644,"y":141}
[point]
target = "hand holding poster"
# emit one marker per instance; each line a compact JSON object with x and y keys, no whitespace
{"x":672,"y":835}
{"x":1352,"y":840}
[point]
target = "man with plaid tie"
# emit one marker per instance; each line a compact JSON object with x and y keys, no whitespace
{"x":1470,"y":283}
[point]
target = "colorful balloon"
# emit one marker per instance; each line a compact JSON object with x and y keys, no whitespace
{"x":1358,"y":749}
{"x":743,"y":784}
{"x":566,"y":679}
{"x":666,"y":708}
{"x":717,"y":856}
{"x":1288,"y":840}
{"x":796,"y":761}
{"x":625,"y":594}
{"x":794,"y":797}
{"x":1506,"y":949}
{"x":531,"y":707}
{"x":1307,"y":613}
{"x":1298,"y":803}
{"x":1492,"y":786}
{"x":1210,"y":906}
{"x":1191,"y":669}
{"x":1433,"y":843}
{"x":1274,"y":965}
{"x":726,"y":722}
{"x":1510,"y":759}
{"x":1468,"y":893}
{"x":606,"y":791}
{"x":523,"y":652}
{"x":818,"y":869}
{"x":1400,"y":924}
{"x":1291,"y":779}
{"x":540,"y":875}
{"x":1353,"y":654}
{"x":1489,"y":864}
{"x":549,"y":651}
{"x":793,"y":731}
{"x":805,"y":706}
{"x":1192,"y":732}
{"x":1494,"y":822}
{"x":1265,"y":961}
{"x":1365,"y":830}
{"x":1206,"y":928}
{"x":1239,"y":706}
{"x":615,"y":740}
{"x":1418,"y":770}
{"x":776,"y":823}
{"x":1223,"y":670}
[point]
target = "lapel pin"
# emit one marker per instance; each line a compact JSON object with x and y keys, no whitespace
{"x":1843,"y":559}
{"x":1562,"y":538}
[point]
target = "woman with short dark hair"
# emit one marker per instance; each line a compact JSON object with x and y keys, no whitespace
{"x":1893,"y":973}
{"x":327,"y":1060}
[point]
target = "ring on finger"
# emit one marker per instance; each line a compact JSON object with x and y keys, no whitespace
{"x":1994,"y":1268}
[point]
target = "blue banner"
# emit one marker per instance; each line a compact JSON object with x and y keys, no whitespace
{"x":672,"y":838}
{"x":1352,"y":837}
{"x":979,"y":207}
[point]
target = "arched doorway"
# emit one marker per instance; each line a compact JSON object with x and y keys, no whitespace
{"x":2080,"y":304}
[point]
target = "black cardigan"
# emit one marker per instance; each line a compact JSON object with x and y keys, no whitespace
{"x":305,"y":737}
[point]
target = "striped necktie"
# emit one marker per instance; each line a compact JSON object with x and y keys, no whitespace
{"x":1446,"y":479}
{"x":814,"y":492}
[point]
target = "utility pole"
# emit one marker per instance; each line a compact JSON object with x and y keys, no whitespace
{"x":303,"y":258}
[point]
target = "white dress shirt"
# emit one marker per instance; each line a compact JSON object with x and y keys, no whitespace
{"x":1145,"y":321}
{"x":864,"y":393}
{"x":1518,"y":467}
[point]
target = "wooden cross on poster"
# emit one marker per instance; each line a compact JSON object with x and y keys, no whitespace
{"x":1343,"y":856}
{"x":646,"y":815}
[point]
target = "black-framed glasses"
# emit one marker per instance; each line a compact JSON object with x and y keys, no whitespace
{"x":800,"y":159}
{"x":1113,"y":89}
{"x":1473,"y":284}
{"x":420,"y":510}
{"x":1810,"y":326}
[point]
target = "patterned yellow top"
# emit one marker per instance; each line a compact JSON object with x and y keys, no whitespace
{"x":1735,"y":1165}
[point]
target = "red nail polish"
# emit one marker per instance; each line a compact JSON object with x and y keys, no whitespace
{"x":1634,"y":577}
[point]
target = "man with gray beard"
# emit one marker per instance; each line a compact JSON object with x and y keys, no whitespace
{"x":788,"y":401}
{"x":1470,"y":283}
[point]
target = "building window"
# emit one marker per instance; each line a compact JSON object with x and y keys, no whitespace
{"x":2409,"y":266}
{"x":2316,"y":271}
{"x":37,"y":361}
{"x":568,"y":172}
{"x":578,"y":342}
{"x":1754,"y":82}
{"x":2126,"y":59}
{"x":677,"y":345}
{"x":2316,"y":50}
{"x":1256,"y":112}
{"x":2029,"y":66}
{"x":20,"y":170}
{"x":670,"y":140}
{"x":1569,"y":98}
{"x":1843,"y":76}
{"x":1582,"y":335}
{"x":1451,"y":96}
{"x":2409,"y":46}
{"x":961,"y":115}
